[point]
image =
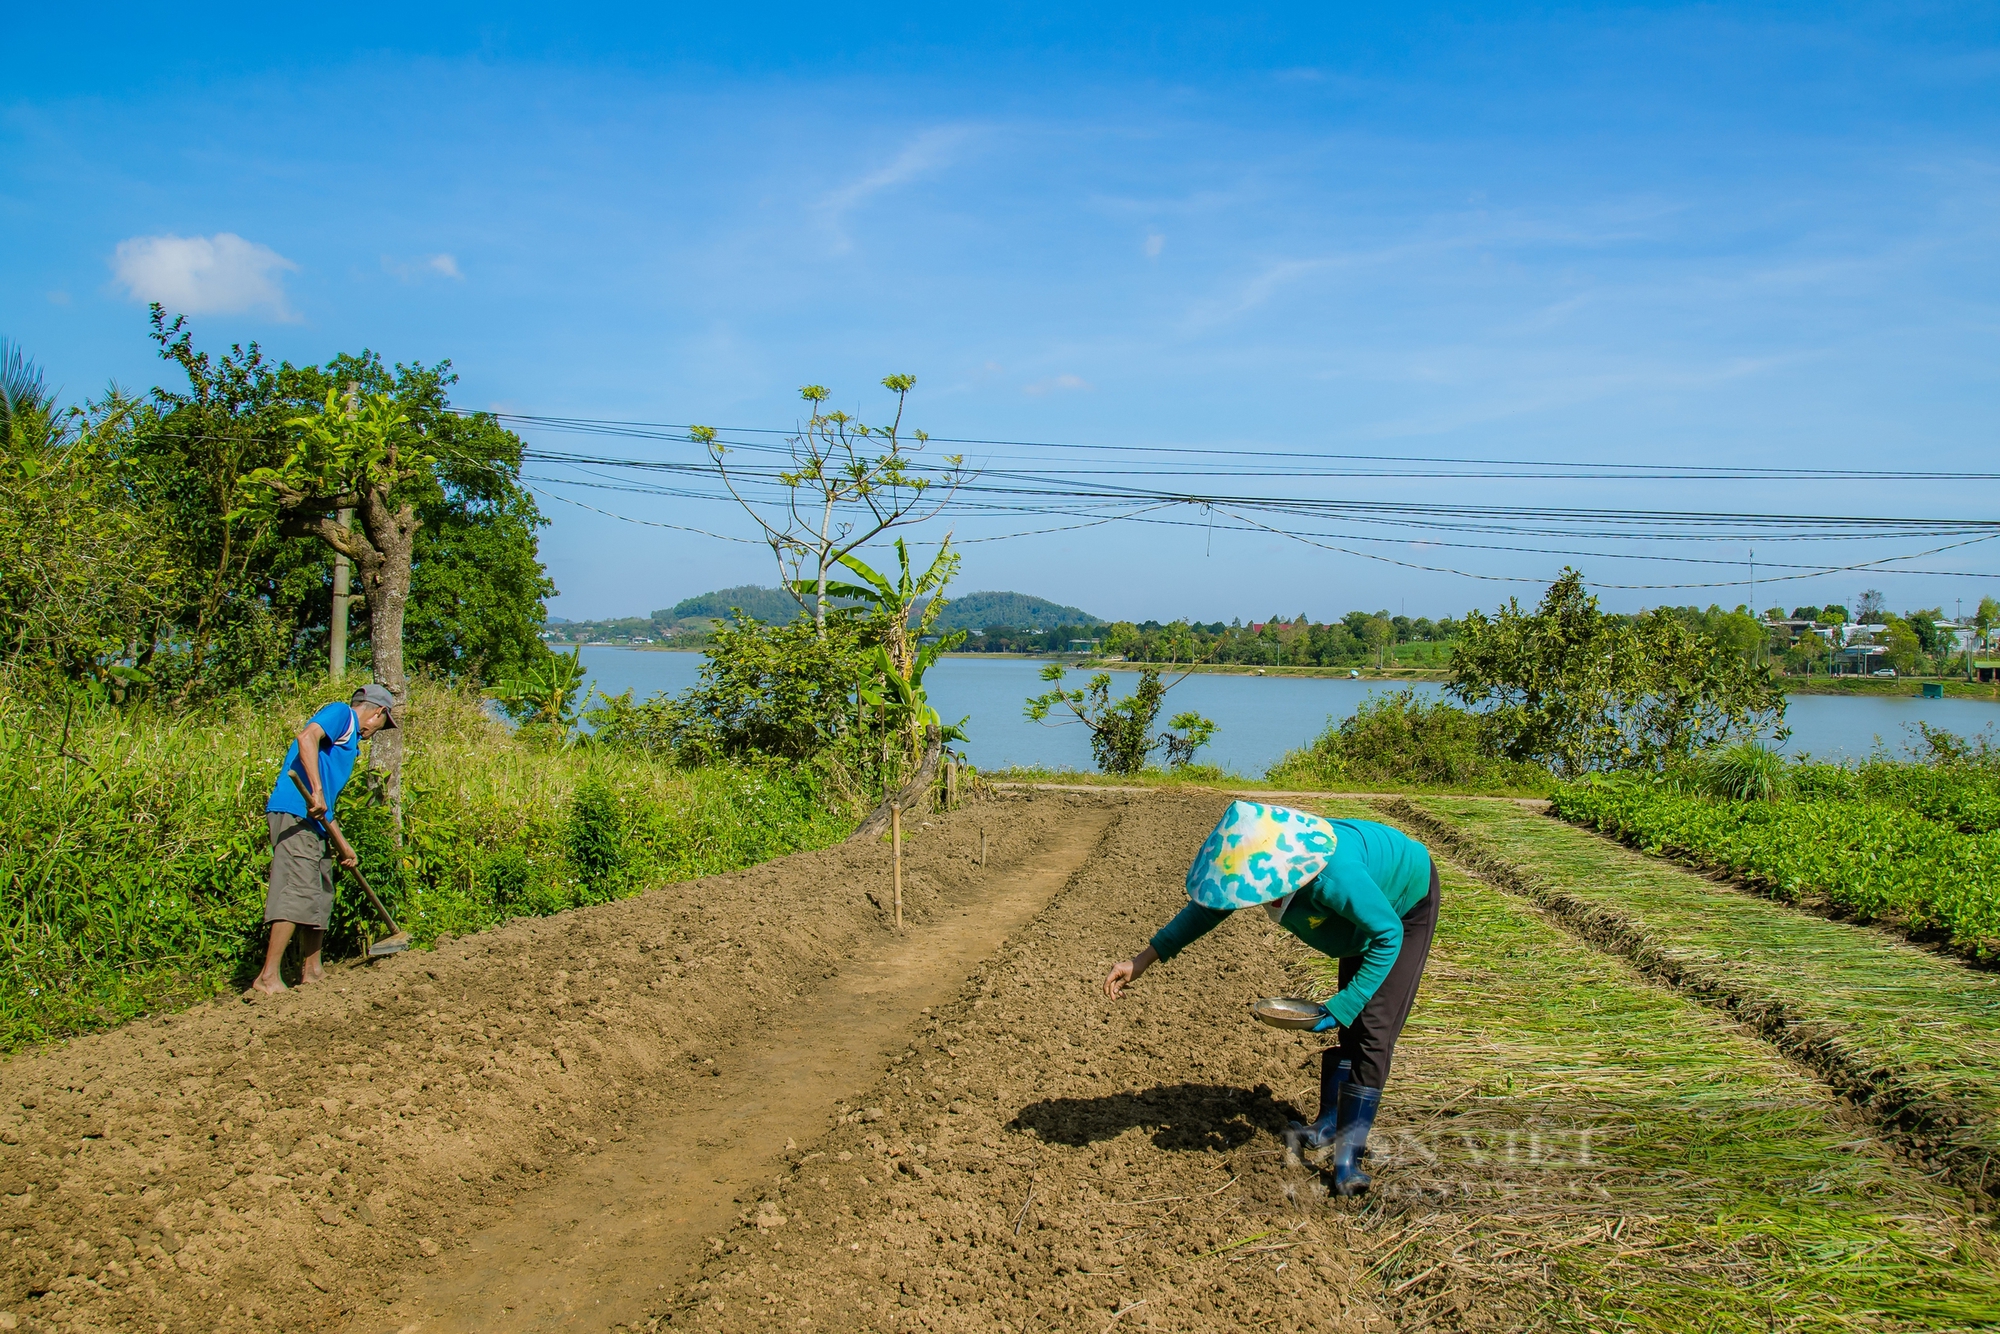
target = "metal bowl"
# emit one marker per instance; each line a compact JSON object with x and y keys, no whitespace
{"x":1288,"y":1011}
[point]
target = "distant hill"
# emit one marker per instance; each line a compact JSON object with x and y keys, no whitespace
{"x":976,"y":611}
{"x":770,"y":605}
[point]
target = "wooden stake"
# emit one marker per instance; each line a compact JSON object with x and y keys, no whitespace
{"x":951,"y":785}
{"x":896,"y":848}
{"x":982,"y":849}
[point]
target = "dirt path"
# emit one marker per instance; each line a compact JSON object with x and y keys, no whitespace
{"x":591,"y":1251}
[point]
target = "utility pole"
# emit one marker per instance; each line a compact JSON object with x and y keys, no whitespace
{"x":1762,"y":634}
{"x":342,"y":577}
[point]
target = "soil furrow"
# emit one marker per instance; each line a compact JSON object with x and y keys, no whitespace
{"x":587,"y":1253}
{"x":285,"y":1163}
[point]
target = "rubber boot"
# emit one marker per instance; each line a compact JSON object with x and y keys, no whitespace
{"x":1357,"y":1118}
{"x":1300,"y":1138}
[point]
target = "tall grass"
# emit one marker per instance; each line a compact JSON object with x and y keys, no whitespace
{"x":132,"y":867}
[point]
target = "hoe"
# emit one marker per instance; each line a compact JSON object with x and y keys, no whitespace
{"x":398,"y":939}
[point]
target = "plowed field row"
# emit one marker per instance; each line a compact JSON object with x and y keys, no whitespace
{"x":953,"y":1129}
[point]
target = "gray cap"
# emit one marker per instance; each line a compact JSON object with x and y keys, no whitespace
{"x":380,"y":697}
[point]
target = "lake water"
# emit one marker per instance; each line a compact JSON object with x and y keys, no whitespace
{"x":1259,"y":718}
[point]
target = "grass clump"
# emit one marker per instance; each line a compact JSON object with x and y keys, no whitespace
{"x":1744,"y":771}
{"x":133,"y":854}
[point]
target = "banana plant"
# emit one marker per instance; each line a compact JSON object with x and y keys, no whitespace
{"x":546,"y":693}
{"x":901,"y":658}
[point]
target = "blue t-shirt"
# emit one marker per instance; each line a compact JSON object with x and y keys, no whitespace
{"x":337,"y":755}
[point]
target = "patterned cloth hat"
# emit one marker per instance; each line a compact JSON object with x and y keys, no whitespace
{"x":1257,"y":853}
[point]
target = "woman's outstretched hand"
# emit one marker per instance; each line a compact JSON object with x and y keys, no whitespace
{"x":1128,"y":970}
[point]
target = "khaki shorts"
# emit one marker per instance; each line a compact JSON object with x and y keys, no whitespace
{"x":301,"y":888}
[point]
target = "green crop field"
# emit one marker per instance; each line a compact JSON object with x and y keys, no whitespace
{"x":1722,"y":1188}
{"x":1873,"y":852}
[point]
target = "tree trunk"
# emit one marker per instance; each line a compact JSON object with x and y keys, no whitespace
{"x":914,"y":796}
{"x":385,"y":578}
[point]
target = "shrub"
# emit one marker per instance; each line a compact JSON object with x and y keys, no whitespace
{"x":1398,"y":740}
{"x":594,"y":843}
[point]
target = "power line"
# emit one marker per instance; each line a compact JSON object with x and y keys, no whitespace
{"x":679,"y":433}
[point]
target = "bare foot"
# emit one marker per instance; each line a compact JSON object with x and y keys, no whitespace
{"x":316,"y":975}
{"x":269,"y":986}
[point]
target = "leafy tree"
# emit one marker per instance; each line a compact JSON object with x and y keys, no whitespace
{"x":1571,"y":688}
{"x":82,"y":565}
{"x":1905,"y":645}
{"x":367,"y":457}
{"x":1121,"y":731}
{"x":255,"y":604}
{"x":1832,"y":614}
{"x":1924,"y":625}
{"x":1985,"y":617}
{"x":1378,"y":634}
{"x":1869,"y":607}
{"x":848,"y":484}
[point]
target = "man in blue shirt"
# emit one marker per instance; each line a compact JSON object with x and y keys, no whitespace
{"x":300,"y":896}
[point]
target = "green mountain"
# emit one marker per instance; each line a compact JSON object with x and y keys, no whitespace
{"x":770,"y":605}
{"x":973,"y":611}
{"x":1018,"y":611}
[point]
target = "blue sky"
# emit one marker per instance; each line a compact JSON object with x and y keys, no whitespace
{"x":1742,"y":236}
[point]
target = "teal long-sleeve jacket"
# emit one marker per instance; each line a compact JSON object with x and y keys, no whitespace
{"x":1354,"y":907}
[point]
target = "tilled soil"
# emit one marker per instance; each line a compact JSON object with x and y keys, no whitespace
{"x":1028,"y":1155}
{"x":1042,"y":1157}
{"x":280,"y":1164}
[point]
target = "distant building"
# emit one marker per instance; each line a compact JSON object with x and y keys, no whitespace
{"x":1860,"y":660}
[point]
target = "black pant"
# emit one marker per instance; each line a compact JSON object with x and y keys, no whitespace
{"x":1370,"y":1040}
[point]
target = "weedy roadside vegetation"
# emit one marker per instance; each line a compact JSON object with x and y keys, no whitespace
{"x":133,"y":851}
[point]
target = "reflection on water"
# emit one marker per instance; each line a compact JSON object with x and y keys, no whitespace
{"x":1261,"y":717}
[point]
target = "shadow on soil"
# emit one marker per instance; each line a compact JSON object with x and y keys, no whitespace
{"x":1190,"y":1117}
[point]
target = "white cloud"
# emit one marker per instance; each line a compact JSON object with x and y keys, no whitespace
{"x":200,"y":275}
{"x":409,"y":271}
{"x":926,"y":153}
{"x":1155,"y":243}
{"x":1056,"y":383}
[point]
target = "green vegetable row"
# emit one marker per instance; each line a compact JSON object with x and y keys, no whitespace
{"x":1964,"y":797}
{"x":1875,"y":860}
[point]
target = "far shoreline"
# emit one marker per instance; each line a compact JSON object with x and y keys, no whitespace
{"x":1907,"y":687}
